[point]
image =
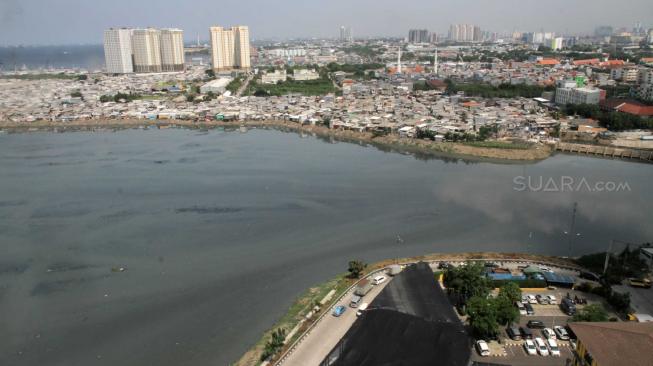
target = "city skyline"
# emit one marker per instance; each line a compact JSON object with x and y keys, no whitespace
{"x":24,"y":22}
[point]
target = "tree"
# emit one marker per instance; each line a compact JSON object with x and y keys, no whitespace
{"x":591,"y":313}
{"x":620,"y":301}
{"x":482,"y":316}
{"x":76,"y":94}
{"x":506,"y":312}
{"x":274,"y":345}
{"x":105,"y":98}
{"x":356,"y":268}
{"x":210,"y":73}
{"x":467,"y":281}
{"x":511,"y":291}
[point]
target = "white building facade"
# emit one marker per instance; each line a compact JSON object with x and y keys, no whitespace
{"x":146,"y":45}
{"x":172,"y":50}
{"x":230,"y":48}
{"x":118,"y":51}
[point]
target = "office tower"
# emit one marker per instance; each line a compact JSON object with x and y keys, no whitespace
{"x":465,"y":33}
{"x":172,"y":50}
{"x":346,"y":34}
{"x":418,"y":36}
{"x":146,"y":46}
{"x":557,"y":43}
{"x":230,"y":48}
{"x":118,"y":51}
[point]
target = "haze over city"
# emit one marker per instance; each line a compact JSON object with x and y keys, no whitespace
{"x":43,"y":22}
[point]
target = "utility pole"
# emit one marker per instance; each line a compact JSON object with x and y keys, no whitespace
{"x":607,"y":257}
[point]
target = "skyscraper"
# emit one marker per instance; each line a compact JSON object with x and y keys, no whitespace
{"x":418,"y":36}
{"x":118,"y":51}
{"x":346,"y":34}
{"x":146,"y":46}
{"x":172,"y":50}
{"x":230,"y":48}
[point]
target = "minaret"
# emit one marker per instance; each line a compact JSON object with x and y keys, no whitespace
{"x":399,"y":61}
{"x":435,"y":62}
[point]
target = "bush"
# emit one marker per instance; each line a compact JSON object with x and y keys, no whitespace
{"x":620,"y":301}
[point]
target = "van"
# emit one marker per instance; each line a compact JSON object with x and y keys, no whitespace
{"x":355,"y":301}
{"x":567,"y":306}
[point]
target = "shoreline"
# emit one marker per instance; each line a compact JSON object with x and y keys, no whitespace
{"x":298,"y":321}
{"x":443,"y":149}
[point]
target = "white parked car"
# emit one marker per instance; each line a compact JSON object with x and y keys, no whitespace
{"x":378,"y":280}
{"x":482,"y":348}
{"x":521,"y":307}
{"x":546,"y":269}
{"x":548,"y":333}
{"x":529,"y":347}
{"x":531,"y":299}
{"x":553,"y":347}
{"x":552,"y":300}
{"x":541,"y":347}
{"x":362,"y":308}
{"x":561,"y":333}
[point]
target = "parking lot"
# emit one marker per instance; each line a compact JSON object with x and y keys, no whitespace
{"x":508,"y":351}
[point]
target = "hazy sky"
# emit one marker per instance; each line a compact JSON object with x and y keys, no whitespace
{"x":82,"y":21}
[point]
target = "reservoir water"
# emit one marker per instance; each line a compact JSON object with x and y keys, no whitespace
{"x":218,"y":232}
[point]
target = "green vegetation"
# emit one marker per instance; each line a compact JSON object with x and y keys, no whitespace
{"x":486,"y":314}
{"x":120,"y":97}
{"x":356,"y":268}
{"x":614,"y":121}
{"x":235,"y":84}
{"x":309,"y":87}
{"x":591,"y":313}
{"x":501,"y":91}
{"x":467,"y":281}
{"x":498,"y":145}
{"x":76,"y":94}
{"x":482,"y":316}
{"x":210,"y":73}
{"x":363,"y":51}
{"x":274,"y":345}
{"x":621,"y":266}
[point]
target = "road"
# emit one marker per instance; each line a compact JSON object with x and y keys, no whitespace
{"x":244,"y":85}
{"x":641,"y":299}
{"x":328,"y":332}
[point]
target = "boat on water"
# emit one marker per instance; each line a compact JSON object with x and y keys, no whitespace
{"x":243,"y":129}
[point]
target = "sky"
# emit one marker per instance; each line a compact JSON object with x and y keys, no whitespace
{"x":67,"y":22}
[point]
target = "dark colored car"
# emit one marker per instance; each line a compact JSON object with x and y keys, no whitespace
{"x":529,"y":309}
{"x":513,"y":332}
{"x":535,"y":324}
{"x":526,"y":333}
{"x":567,"y":306}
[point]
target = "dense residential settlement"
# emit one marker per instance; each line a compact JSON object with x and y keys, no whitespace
{"x":519,"y":91}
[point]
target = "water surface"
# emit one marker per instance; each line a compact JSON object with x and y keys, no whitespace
{"x":220,"y":231}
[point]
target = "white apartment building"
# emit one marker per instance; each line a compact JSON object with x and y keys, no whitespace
{"x":118,"y":51}
{"x":172,"y":50}
{"x":146,"y":45}
{"x":557,"y":43}
{"x":230,"y":48}
{"x":304,"y":74}
{"x":293,"y":52}
{"x":626,"y":74}
{"x":274,"y":77}
{"x":577,"y":96}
